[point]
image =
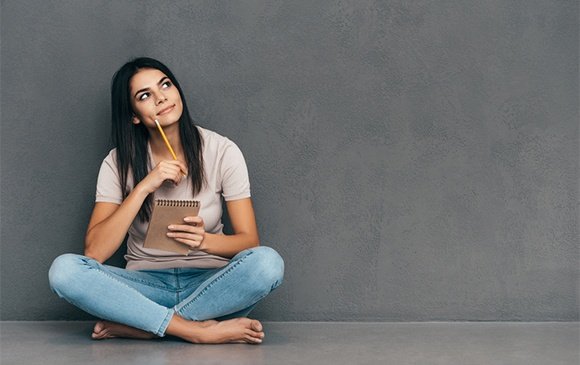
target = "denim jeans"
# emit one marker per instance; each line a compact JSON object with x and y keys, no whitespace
{"x":148,"y":299}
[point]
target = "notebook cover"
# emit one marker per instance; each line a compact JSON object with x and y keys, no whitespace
{"x":166,"y":212}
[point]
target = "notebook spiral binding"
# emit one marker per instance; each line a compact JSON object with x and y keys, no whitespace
{"x":177,"y":203}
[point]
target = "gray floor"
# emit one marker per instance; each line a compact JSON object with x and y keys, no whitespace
{"x":546,"y":343}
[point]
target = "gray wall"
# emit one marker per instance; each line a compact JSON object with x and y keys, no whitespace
{"x":410,"y":160}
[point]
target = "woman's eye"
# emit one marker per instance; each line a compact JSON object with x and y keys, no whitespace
{"x":143,"y":96}
{"x":166,"y":84}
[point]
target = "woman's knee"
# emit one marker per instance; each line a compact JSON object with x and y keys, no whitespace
{"x":269,"y":265}
{"x":64,"y":270}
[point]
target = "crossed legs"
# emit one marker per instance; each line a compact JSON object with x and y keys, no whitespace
{"x":133,"y":304}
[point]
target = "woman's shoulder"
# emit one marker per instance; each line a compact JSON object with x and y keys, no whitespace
{"x":213,"y":140}
{"x":111,"y":157}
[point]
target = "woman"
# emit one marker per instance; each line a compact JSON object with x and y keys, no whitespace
{"x":201,"y":297}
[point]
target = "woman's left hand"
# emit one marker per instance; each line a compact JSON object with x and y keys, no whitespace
{"x":192,"y":233}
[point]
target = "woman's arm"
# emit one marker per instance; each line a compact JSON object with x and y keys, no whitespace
{"x":241,"y":213}
{"x":109,"y":225}
{"x":110,"y":222}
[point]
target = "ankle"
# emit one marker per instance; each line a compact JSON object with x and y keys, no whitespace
{"x":187,"y":330}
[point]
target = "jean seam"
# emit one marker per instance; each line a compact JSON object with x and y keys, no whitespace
{"x":177,"y":285}
{"x":240,"y":260}
{"x":145,"y":282}
{"x":86,"y":260}
{"x":163,"y":327}
{"x":272,"y":288}
{"x":99,"y":270}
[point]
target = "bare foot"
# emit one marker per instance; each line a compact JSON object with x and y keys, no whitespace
{"x":237,"y":330}
{"x":106,"y":329}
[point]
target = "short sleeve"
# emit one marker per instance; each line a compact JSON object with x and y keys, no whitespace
{"x":108,"y":182}
{"x":234,"y":173}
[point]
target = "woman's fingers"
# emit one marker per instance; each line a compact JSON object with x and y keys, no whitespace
{"x":190,"y":243}
{"x":194,"y":221}
{"x":187,"y":238}
{"x":193,"y":240}
{"x":186,"y":228}
{"x":188,"y":234}
{"x":172,"y":170}
{"x":180,"y":165}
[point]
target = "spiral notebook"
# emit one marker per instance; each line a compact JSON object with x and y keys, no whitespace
{"x":166,"y":212}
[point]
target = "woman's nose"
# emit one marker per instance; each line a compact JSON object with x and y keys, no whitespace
{"x":160,"y":98}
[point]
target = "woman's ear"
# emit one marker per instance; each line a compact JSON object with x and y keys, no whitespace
{"x":135,"y":120}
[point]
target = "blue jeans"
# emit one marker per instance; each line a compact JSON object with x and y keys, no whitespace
{"x":148,"y":299}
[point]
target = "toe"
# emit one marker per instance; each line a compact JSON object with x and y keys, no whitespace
{"x":255,"y":334}
{"x":97,"y":336}
{"x":253,"y":340}
{"x":257,"y":326}
{"x":99,"y":326}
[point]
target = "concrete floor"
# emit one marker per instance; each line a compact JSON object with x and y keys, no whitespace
{"x":353,"y":343}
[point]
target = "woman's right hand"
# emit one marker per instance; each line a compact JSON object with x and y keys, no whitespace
{"x":172,"y":170}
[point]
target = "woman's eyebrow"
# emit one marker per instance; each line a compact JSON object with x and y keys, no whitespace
{"x":159,"y":83}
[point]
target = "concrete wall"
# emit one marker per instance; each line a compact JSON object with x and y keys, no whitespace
{"x":411,"y":160}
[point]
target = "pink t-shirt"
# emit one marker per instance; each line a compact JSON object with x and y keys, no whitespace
{"x":226,"y":175}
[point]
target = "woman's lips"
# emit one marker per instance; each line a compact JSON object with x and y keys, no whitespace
{"x":166,"y":110}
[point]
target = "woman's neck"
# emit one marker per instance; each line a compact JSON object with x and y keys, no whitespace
{"x":158,"y":146}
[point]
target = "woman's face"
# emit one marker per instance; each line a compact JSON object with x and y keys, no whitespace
{"x":153,"y":96}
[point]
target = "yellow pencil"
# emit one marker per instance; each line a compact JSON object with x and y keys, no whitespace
{"x":165,"y":139}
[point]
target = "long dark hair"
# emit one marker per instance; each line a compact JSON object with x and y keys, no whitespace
{"x":131,"y":140}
